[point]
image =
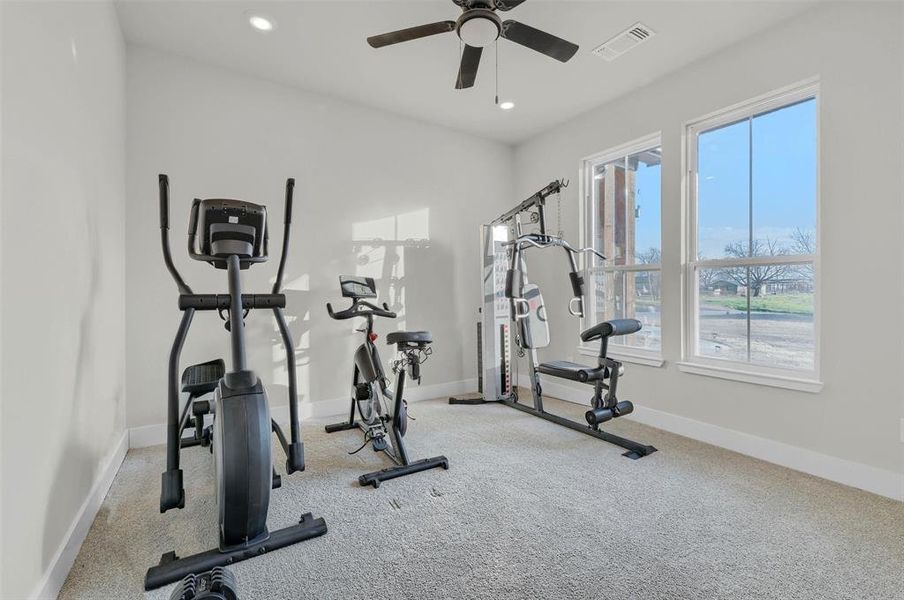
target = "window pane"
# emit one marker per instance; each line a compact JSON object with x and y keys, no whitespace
{"x":644,"y":191}
{"x":722,"y":314}
{"x":723,"y":191}
{"x":784,"y":178}
{"x":782,"y":327}
{"x":630,"y":295}
{"x":626,"y":197}
{"x":759,"y":314}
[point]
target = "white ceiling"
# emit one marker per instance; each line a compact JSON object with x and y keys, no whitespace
{"x":320,"y":46}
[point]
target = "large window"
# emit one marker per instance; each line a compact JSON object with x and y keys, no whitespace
{"x":624,"y":220}
{"x":752,"y":244}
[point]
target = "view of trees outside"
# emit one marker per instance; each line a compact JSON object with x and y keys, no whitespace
{"x":756,"y":200}
{"x":765,"y":310}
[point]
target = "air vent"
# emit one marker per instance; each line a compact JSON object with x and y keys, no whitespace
{"x":624,"y":41}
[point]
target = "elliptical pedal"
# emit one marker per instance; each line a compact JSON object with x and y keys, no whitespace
{"x":202,"y":378}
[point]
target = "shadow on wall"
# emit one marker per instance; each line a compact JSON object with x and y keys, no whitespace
{"x":413,"y":276}
{"x":79,"y":463}
{"x":381,"y":247}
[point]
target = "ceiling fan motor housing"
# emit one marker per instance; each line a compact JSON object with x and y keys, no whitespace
{"x":478,"y":27}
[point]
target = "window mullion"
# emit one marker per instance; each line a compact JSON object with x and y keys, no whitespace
{"x":749,"y":220}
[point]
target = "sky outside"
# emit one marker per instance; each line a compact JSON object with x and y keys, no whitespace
{"x":783,"y":181}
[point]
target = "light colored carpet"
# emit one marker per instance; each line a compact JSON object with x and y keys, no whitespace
{"x":528,"y":510}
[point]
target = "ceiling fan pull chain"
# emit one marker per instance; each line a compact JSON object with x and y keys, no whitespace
{"x":559,"y":213}
{"x":496,"y":44}
{"x":460,"y":52}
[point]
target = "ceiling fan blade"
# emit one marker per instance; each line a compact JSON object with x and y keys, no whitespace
{"x":412,"y":33}
{"x":467,"y":72}
{"x":507,"y":4}
{"x":545,"y":43}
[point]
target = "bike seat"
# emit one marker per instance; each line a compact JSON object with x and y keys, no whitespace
{"x":409,"y":337}
{"x":203,"y":378}
{"x":572,"y":371}
{"x":611,"y":328}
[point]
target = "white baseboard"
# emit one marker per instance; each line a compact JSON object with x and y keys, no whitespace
{"x":63,"y":559}
{"x":154,"y":435}
{"x":865,"y":477}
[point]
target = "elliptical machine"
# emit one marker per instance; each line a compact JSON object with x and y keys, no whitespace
{"x":233,"y":236}
{"x":383,"y":428}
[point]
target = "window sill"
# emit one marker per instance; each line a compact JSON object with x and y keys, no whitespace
{"x":649,"y":360}
{"x":799,"y":384}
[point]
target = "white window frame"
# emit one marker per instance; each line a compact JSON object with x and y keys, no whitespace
{"x":692,"y":362}
{"x":588,"y":221}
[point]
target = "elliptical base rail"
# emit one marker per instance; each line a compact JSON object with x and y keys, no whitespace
{"x":172,"y":569}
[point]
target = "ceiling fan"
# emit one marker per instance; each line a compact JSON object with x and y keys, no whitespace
{"x":479,"y":26}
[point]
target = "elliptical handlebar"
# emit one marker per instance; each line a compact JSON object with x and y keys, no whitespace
{"x":355,"y":310}
{"x":290,"y":190}
{"x":163,"y":185}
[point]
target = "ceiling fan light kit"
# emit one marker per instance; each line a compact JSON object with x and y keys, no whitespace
{"x":479,"y":26}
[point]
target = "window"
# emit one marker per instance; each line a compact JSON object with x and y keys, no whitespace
{"x":624,"y":221}
{"x":752,"y":244}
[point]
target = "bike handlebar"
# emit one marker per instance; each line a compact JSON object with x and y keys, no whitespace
{"x":354,"y":310}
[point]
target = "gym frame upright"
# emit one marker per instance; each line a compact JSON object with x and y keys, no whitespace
{"x":504,"y":327}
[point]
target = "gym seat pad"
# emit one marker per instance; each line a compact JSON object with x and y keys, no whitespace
{"x":416,"y":337}
{"x":570,"y":370}
{"x":610,"y":328}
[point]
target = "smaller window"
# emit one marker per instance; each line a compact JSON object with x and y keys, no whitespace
{"x":623,"y":214}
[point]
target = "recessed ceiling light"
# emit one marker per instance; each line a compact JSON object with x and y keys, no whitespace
{"x":261,"y":23}
{"x":507,"y":105}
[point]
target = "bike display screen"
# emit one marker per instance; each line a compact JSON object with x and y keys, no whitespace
{"x":357,"y":287}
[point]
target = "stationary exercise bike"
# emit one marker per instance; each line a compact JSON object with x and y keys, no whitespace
{"x":384,"y":427}
{"x":233,"y":236}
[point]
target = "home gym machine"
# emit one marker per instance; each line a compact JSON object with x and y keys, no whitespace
{"x":513,"y":308}
{"x":384,"y":429}
{"x":233,"y":236}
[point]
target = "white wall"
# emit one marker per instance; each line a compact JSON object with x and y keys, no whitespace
{"x":855,"y":49}
{"x":360,"y":173}
{"x":63,"y":344}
